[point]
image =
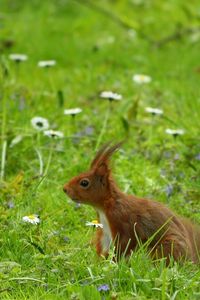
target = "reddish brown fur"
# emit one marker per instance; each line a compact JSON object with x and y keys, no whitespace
{"x":131,"y":218}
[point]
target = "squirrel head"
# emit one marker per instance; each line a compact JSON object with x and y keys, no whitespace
{"x":94,"y":186}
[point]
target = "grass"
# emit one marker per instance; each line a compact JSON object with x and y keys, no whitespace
{"x":95,"y":51}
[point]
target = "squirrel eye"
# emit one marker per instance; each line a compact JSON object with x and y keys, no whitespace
{"x":84,"y":183}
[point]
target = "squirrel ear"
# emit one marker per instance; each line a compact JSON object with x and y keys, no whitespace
{"x":102,"y":169}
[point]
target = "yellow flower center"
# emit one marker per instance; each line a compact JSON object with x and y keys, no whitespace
{"x":95,"y":222}
{"x":142,"y":77}
{"x":31,"y":217}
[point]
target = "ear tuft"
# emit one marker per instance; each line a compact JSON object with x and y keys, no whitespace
{"x":103,"y":155}
{"x":99,"y":154}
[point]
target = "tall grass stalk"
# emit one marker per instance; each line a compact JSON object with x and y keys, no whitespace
{"x":3,"y":159}
{"x":104,"y":126}
{"x":3,"y":139}
{"x":49,"y":160}
{"x":41,"y":164}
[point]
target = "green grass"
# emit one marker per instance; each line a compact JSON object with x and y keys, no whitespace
{"x":95,"y":52}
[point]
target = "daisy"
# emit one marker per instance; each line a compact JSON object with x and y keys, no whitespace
{"x":110,"y":95}
{"x":18,"y":57}
{"x":154,"y":111}
{"x":141,"y":78}
{"x":46,"y":63}
{"x":175,"y":133}
{"x":94,"y":223}
{"x":33,"y":219}
{"x":54,"y":134}
{"x":40,"y":123}
{"x":72,"y":111}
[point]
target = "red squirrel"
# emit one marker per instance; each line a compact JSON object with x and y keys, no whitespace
{"x":127,"y":219}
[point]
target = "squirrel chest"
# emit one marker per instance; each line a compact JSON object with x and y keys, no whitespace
{"x":106,"y":238}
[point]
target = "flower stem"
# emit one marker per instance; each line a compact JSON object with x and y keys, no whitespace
{"x":40,"y":161}
{"x":49,"y":160}
{"x":38,"y":139}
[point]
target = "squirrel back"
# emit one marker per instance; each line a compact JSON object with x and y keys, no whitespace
{"x":128,"y":219}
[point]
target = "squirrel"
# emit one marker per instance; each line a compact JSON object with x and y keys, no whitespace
{"x":129,"y":220}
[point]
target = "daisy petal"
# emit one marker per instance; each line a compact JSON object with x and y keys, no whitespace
{"x":154,"y":111}
{"x":141,"y":78}
{"x":32,"y":219}
{"x":18,"y":57}
{"x":40,"y":123}
{"x":53,"y":134}
{"x":72,"y":111}
{"x":94,"y":223}
{"x":46,"y":63}
{"x":110,"y":95}
{"x":175,"y":132}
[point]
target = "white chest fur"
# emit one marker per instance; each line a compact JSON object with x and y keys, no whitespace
{"x":107,"y":235}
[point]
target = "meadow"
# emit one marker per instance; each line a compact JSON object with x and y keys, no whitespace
{"x":95,"y":46}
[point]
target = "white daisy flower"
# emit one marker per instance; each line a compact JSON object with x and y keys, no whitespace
{"x":110,"y":95}
{"x":72,"y":111}
{"x":46,"y":63}
{"x":16,"y":140}
{"x":33,"y":219}
{"x":18,"y":57}
{"x":175,"y":132}
{"x":94,"y":223}
{"x":154,"y":111}
{"x":54,"y":134}
{"x":40,"y":123}
{"x":141,"y":78}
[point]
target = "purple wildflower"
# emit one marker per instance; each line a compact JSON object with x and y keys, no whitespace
{"x":10,"y":204}
{"x":66,"y":239}
{"x":89,"y":130}
{"x":197,"y":156}
{"x":103,"y":288}
{"x":169,"y":190}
